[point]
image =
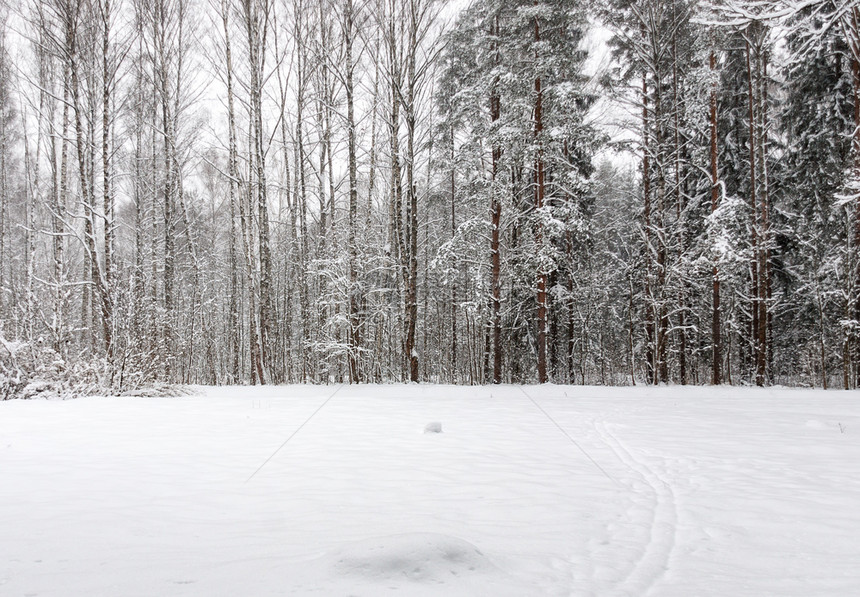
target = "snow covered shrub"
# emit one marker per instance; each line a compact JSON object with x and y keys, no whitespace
{"x":159,"y":390}
{"x":11,"y":376}
{"x":34,"y":369}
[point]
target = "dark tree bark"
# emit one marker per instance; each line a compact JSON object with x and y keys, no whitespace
{"x":754,"y":240}
{"x":851,"y":25}
{"x":453,"y":174}
{"x":540,"y":191}
{"x":496,"y":217}
{"x":650,"y":352}
{"x":716,"y":346}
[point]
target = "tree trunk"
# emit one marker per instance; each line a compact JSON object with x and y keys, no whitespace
{"x":397,"y":249}
{"x":650,"y":351}
{"x":757,"y":348}
{"x":765,"y":287}
{"x":300,"y":193}
{"x":256,"y":18}
{"x":496,"y":217}
{"x":679,"y":211}
{"x":232,"y":174}
{"x":853,"y":29}
{"x":539,"y":204}
{"x":168,"y":206}
{"x":108,"y":204}
{"x":354,"y":338}
{"x":453,"y":355}
{"x":716,"y":356}
{"x":86,"y":179}
{"x":410,"y":118}
{"x":58,"y":227}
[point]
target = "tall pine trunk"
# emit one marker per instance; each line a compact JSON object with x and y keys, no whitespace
{"x":852,"y":28}
{"x":754,"y":237}
{"x":540,"y":181}
{"x":410,"y":117}
{"x":650,"y":352}
{"x":716,"y":345}
{"x":496,"y":217}
{"x":453,"y":174}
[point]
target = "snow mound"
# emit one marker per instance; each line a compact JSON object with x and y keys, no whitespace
{"x":424,"y":558}
{"x":818,"y":425}
{"x":434,"y":427}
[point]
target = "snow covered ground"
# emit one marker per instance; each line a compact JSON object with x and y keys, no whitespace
{"x":675,"y":491}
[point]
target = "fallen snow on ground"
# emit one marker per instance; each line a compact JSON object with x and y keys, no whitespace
{"x":636,"y":491}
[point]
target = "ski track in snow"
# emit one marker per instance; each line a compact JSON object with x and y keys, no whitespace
{"x":653,"y":494}
{"x":652,"y":497}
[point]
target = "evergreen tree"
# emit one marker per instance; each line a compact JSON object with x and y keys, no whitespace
{"x":518,"y":71}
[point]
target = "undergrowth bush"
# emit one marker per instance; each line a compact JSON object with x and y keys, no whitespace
{"x":34,"y":369}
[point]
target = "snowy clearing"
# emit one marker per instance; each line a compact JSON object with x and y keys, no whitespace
{"x":691,"y":491}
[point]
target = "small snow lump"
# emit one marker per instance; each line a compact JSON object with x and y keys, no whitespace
{"x":434,"y":427}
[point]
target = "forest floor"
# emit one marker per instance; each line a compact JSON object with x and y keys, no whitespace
{"x":554,"y":490}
